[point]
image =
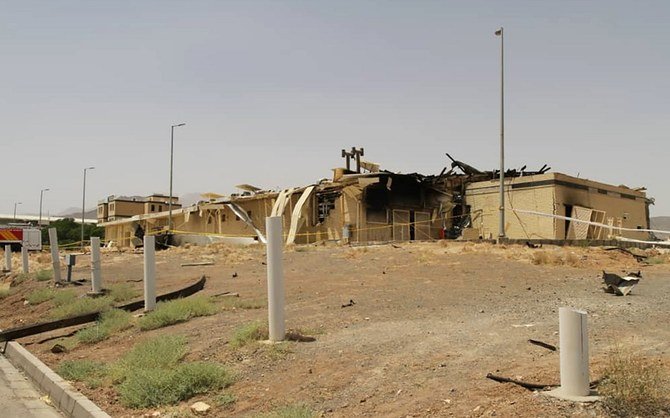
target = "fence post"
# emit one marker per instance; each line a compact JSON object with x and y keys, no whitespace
{"x":275,"y":272}
{"x":24,"y":259}
{"x":149,"y":273}
{"x":96,"y":280}
{"x":8,"y":257}
{"x":55,"y":260}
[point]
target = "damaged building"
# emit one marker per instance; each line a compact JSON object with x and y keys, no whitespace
{"x":363,"y":204}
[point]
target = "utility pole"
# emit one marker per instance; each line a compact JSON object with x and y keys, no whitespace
{"x":501,"y":233}
{"x":83,"y":206}
{"x":171,"y":165}
{"x":39,"y":222}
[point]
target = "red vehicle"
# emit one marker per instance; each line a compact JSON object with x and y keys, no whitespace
{"x":18,"y":235}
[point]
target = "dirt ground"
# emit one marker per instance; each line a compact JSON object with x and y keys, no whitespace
{"x":430,"y":320}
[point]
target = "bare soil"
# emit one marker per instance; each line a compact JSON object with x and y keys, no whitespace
{"x":429,"y":321}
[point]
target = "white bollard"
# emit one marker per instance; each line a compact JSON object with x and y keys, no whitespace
{"x":55,"y":260}
{"x":275,"y":249}
{"x":24,"y":259}
{"x":8,"y":258}
{"x":96,"y":280}
{"x":574,"y":346}
{"x":149,"y":273}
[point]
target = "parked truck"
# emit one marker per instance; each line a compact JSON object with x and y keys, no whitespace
{"x":18,"y":235}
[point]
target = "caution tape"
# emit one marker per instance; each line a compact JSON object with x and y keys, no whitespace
{"x":567,"y":218}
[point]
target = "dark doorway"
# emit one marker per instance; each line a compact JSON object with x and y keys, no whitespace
{"x":568,"y":213}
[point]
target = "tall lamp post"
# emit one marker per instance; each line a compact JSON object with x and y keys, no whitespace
{"x":39,"y":222}
{"x":83,"y":206}
{"x":16,"y":203}
{"x":501,"y":233}
{"x":171,"y":165}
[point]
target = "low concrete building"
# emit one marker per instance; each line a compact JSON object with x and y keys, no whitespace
{"x":121,"y":207}
{"x":382,"y":206}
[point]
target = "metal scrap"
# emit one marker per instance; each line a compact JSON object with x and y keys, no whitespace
{"x":618,"y":285}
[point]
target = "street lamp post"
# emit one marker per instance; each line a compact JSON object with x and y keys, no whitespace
{"x":501,"y":233}
{"x":39,"y":222}
{"x":171,"y":165}
{"x":83,"y":206}
{"x":16,"y":203}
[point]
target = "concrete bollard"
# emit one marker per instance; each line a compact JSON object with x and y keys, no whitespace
{"x":96,"y":279}
{"x":55,"y":260}
{"x":275,"y":249}
{"x":149,"y":273}
{"x":24,"y":259}
{"x":574,"y":345}
{"x":8,"y":258}
{"x":574,"y":356}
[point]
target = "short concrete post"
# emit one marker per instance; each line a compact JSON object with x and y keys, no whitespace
{"x":149,"y":273}
{"x":574,"y":345}
{"x":55,"y":260}
{"x":24,"y":259}
{"x":8,"y":258}
{"x":275,"y":249}
{"x":96,"y":280}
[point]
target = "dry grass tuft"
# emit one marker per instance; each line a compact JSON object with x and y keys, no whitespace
{"x":635,"y":386}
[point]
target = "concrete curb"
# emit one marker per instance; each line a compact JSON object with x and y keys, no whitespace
{"x":64,"y":396}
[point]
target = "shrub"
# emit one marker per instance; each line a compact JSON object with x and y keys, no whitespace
{"x":43,"y":275}
{"x":82,"y":306}
{"x":109,"y":323}
{"x":122,"y":292}
{"x":151,"y":374}
{"x":40,"y":296}
{"x":245,"y":334}
{"x":89,"y":372}
{"x":20,"y":278}
{"x":634,"y":386}
{"x":64,"y":297}
{"x":225,"y":400}
{"x":175,"y":311}
{"x":237,"y":303}
{"x":4,"y":293}
{"x":290,"y":411}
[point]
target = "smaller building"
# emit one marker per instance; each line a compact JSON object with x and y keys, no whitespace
{"x":114,"y":208}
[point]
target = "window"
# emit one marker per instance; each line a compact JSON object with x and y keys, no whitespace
{"x":160,"y":208}
{"x":111,"y":207}
{"x":223,"y":217}
{"x":153,"y":208}
{"x":249,"y":214}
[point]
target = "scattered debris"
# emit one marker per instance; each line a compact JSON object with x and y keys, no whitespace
{"x":523,"y":325}
{"x":527,"y":385}
{"x":298,"y":337}
{"x":638,"y":257}
{"x":198,"y":263}
{"x":620,"y":286}
{"x":58,"y":348}
{"x":200,"y":408}
{"x":542,"y":344}
{"x":531,"y":245}
{"x":351,"y":303}
{"x":228,"y":294}
{"x":234,"y":275}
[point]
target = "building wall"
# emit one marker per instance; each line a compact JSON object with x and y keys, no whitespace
{"x":484,"y":201}
{"x":124,"y":209}
{"x":550,"y":193}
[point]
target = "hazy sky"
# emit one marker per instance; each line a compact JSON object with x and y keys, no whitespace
{"x":271,"y":91}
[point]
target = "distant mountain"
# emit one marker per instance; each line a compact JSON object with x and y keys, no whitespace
{"x":660,"y":222}
{"x":76,"y":213}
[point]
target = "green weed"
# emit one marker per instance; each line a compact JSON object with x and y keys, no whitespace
{"x":110,"y":322}
{"x":44,"y":275}
{"x":82,"y":306}
{"x":40,"y":296}
{"x":245,"y":334}
{"x":176,"y":311}
{"x":122,"y":292}
{"x":290,"y":411}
